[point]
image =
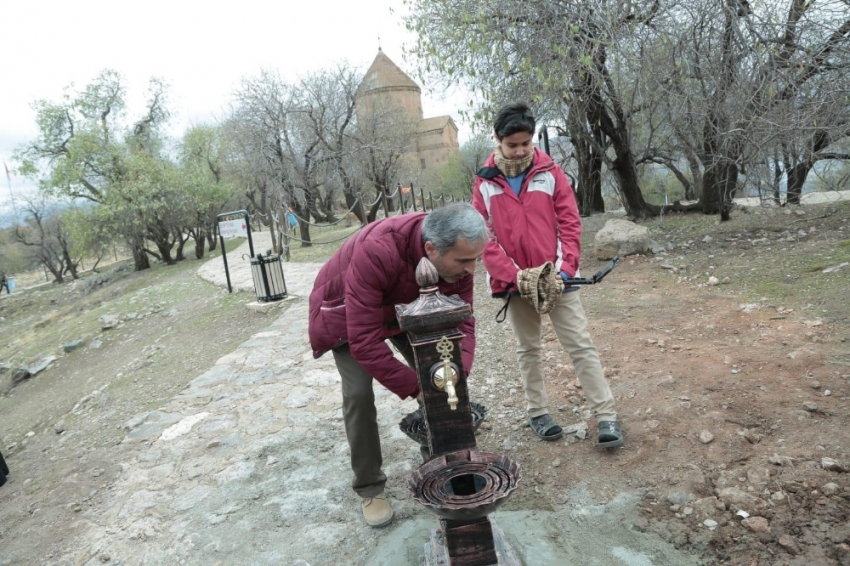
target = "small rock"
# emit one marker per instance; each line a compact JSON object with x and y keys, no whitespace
{"x":787,"y":542}
{"x":713,"y":281}
{"x":71,"y":346}
{"x":108,"y":322}
{"x":831,"y":465}
{"x":810,"y":407}
{"x":556,"y":463}
{"x":829,"y":488}
{"x":778,"y":460}
{"x":706,"y":437}
{"x":710,"y":523}
{"x":757,"y":524}
{"x":59,"y":427}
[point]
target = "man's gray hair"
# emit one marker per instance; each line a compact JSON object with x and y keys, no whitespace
{"x":444,"y":226}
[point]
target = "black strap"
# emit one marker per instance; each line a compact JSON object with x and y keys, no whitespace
{"x":503,"y":312}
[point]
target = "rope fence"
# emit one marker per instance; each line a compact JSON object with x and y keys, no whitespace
{"x":361,"y":212}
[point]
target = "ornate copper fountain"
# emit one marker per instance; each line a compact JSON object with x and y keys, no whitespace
{"x":460,"y":483}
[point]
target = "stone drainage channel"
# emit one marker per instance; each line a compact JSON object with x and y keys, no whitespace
{"x":249,"y":465}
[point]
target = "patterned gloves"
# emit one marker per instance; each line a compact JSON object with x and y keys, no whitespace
{"x":541,"y":286}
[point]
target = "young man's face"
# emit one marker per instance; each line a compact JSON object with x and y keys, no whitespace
{"x":516,"y":146}
{"x":458,"y":262}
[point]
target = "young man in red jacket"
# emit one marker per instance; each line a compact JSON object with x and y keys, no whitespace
{"x":352,"y":313}
{"x":530,"y":207}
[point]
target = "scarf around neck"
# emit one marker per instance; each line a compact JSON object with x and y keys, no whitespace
{"x":512,"y":167}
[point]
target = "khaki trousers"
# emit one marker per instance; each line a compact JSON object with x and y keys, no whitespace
{"x":361,"y":418}
{"x":570,"y":324}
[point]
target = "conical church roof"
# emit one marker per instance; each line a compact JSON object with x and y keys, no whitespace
{"x":383,"y":73}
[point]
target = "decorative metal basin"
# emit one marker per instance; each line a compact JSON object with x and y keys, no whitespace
{"x":465,"y":485}
{"x":414,"y":425}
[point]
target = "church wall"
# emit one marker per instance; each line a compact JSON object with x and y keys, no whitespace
{"x":435,"y":147}
{"x":394,"y":97}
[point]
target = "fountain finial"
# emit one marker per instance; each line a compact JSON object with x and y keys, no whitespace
{"x":426,"y":274}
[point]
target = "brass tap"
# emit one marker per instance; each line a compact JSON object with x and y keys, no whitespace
{"x":445,"y":379}
{"x":445,"y":374}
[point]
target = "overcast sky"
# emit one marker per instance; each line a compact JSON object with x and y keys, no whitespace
{"x":201,"y":49}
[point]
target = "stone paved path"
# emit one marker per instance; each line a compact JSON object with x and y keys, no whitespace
{"x":248,"y":464}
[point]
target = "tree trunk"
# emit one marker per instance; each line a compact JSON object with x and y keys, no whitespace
{"x":627,"y":179}
{"x":589,"y":189}
{"x":350,"y":200}
{"x":719,"y":185}
{"x":211,"y":241}
{"x":165,"y":252}
{"x":178,"y":255}
{"x":140,"y":257}
{"x":796,"y":179}
{"x":199,"y":246}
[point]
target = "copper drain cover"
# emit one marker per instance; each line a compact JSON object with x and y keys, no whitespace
{"x":414,"y":426}
{"x":465,"y":485}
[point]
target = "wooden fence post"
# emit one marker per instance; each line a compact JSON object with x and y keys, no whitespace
{"x":385,"y":198}
{"x":363,"y":220}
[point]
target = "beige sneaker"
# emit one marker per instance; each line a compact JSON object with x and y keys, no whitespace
{"x":377,"y":510}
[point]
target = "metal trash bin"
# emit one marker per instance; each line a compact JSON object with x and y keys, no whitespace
{"x":267,"y":273}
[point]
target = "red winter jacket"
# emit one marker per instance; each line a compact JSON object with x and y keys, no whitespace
{"x":355,"y":294}
{"x":541,"y":224}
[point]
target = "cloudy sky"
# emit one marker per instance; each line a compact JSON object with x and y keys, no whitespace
{"x":202,"y":49}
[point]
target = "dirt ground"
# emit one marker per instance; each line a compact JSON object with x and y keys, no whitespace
{"x":731,"y":401}
{"x":735,"y":397}
{"x":61,"y":430}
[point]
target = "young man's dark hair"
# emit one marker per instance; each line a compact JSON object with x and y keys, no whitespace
{"x":513,"y":118}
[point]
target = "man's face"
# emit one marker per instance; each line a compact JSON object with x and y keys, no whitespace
{"x":458,"y":262}
{"x":516,"y":146}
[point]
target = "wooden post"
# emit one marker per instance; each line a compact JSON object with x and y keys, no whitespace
{"x":384,"y":198}
{"x":363,"y":220}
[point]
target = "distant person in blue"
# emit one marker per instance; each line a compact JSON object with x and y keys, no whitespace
{"x":291,"y":220}
{"x":4,"y":284}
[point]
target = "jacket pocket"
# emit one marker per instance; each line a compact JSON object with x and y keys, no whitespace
{"x":333,"y":316}
{"x":333,"y":304}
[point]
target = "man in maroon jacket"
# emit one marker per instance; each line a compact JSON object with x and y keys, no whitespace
{"x":352,"y":313}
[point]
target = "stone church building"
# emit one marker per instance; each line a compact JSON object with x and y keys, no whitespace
{"x":386,"y":86}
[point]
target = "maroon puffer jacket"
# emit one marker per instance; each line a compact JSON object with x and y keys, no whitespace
{"x":355,"y":294}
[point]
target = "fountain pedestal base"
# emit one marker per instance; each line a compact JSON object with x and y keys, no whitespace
{"x":481,"y":543}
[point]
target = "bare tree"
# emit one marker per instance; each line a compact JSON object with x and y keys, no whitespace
{"x":47,"y":238}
